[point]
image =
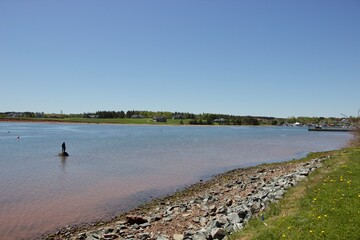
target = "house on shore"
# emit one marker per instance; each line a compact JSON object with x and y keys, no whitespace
{"x":178,"y":116}
{"x":220,"y":120}
{"x":14,"y":115}
{"x":160,"y":119}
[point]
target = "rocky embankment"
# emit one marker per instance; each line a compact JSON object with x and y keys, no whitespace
{"x":210,"y":210}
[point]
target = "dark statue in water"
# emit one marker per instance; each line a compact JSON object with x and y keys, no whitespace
{"x":63,"y":150}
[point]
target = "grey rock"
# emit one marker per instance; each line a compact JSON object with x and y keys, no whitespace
{"x":189,"y":233}
{"x":110,"y":236}
{"x":167,"y":219}
{"x":214,"y":224}
{"x":144,"y":235}
{"x":299,"y":177}
{"x":304,"y":172}
{"x":145,"y":225}
{"x":221,"y":209}
{"x":203,"y":234}
{"x":162,"y":237}
{"x":212,"y":208}
{"x":196,"y":219}
{"x":178,"y":236}
{"x":108,"y":230}
{"x":199,"y":236}
{"x":132,"y":219}
{"x":218,"y":233}
{"x":96,"y":236}
{"x":208,"y":198}
{"x":121,"y":227}
{"x":222,"y":220}
{"x":255,"y":207}
{"x":81,"y":235}
{"x":237,"y":226}
{"x":243,"y":212}
{"x":203,"y":221}
{"x":254,"y":178}
{"x":229,"y":202}
{"x":279,"y":194}
{"x":234,"y":218}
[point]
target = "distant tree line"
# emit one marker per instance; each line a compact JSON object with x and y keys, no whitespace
{"x":108,"y":114}
{"x":145,"y":114}
{"x":193,"y":119}
{"x":223,"y":119}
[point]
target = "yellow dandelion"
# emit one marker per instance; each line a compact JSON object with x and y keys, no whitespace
{"x":319,"y":217}
{"x":325,"y":215}
{"x":283,"y":235}
{"x":310,"y":231}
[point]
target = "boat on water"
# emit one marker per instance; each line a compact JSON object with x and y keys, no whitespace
{"x":332,"y":129}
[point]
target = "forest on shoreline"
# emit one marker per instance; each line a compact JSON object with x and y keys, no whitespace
{"x":172,"y":118}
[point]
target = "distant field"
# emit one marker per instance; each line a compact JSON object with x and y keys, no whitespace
{"x":101,"y":120}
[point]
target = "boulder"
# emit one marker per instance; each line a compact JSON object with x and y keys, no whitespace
{"x":177,"y":236}
{"x":201,"y":235}
{"x":134,"y":219}
{"x":234,"y":218}
{"x":218,"y":233}
{"x":162,"y":237}
{"x":63,"y":154}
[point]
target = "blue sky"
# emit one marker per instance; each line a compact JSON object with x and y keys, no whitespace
{"x":264,"y":58}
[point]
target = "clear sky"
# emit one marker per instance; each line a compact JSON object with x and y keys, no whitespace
{"x":276,"y":58}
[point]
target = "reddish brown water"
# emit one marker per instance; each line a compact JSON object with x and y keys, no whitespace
{"x":114,"y":168}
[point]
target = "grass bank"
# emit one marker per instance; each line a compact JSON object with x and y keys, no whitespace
{"x":325,"y":206}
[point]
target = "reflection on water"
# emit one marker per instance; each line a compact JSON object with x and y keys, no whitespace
{"x":114,"y":167}
{"x":63,"y":162}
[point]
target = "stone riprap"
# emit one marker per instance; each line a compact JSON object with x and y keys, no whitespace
{"x":210,"y":210}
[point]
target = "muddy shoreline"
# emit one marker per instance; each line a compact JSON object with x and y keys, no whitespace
{"x":205,"y":210}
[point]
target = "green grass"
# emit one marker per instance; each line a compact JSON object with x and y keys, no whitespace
{"x":327,"y":206}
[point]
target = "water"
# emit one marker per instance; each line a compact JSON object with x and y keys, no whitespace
{"x":112,"y":168}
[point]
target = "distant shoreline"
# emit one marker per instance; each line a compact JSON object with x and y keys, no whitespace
{"x":130,"y":122}
{"x":58,"y":121}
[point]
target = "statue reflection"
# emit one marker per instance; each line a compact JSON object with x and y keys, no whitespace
{"x":63,"y":163}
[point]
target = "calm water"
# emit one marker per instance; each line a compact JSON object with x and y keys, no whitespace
{"x":112,"y":168}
